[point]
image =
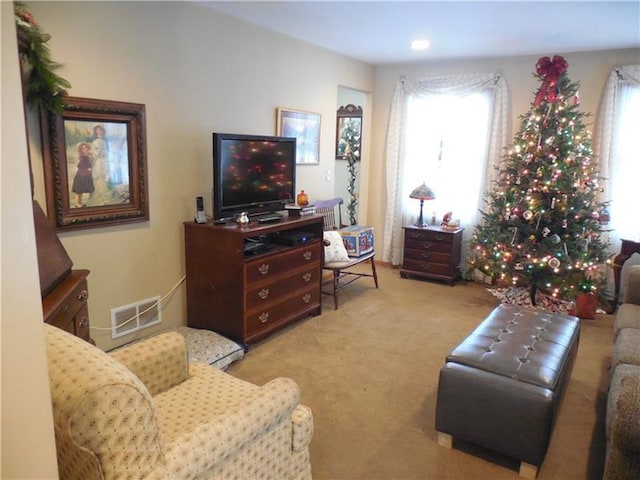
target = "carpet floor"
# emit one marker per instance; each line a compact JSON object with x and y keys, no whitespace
{"x":369,"y":371}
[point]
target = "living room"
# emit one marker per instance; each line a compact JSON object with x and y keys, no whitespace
{"x":197,"y":72}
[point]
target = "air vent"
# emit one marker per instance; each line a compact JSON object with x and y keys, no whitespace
{"x":135,"y":316}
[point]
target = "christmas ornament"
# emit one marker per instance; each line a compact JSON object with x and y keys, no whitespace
{"x":604,"y":217}
{"x":545,"y":232}
{"x":527,"y":215}
{"x":595,"y":215}
{"x":555,"y":238}
{"x":554,"y":262}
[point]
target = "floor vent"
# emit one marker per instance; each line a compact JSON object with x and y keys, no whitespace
{"x":135,"y":316}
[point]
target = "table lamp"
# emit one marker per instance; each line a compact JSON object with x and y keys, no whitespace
{"x":422,"y":193}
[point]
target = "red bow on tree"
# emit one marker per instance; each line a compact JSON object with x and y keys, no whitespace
{"x":550,"y":70}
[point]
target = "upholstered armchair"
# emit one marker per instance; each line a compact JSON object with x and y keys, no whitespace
{"x":144,"y":412}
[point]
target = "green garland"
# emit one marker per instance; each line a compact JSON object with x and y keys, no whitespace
{"x":44,"y":88}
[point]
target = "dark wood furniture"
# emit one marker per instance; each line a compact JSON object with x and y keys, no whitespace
{"x":64,"y":291}
{"x":249,"y":297}
{"x":66,"y":305}
{"x":432,"y":252}
{"x":628,"y":248}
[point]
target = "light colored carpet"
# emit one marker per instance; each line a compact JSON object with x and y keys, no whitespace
{"x":369,"y":371}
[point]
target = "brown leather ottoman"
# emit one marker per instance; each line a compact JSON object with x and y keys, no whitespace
{"x":501,"y":387}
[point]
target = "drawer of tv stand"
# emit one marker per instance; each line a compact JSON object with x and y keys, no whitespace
{"x":262,"y":320}
{"x":265,"y":293}
{"x":271,"y":266}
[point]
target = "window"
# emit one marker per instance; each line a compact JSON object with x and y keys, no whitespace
{"x":449,"y":132}
{"x":626,"y":165}
{"x":446,"y":148}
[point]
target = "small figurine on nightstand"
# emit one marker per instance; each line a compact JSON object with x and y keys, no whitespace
{"x":448,"y":223}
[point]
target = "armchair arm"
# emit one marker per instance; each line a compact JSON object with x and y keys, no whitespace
{"x":160,"y":362}
{"x":210,"y":443}
{"x":623,"y":457}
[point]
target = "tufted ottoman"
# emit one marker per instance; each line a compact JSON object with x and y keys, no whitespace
{"x":501,"y":387}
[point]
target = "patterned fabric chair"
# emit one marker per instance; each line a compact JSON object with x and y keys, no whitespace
{"x":144,"y":413}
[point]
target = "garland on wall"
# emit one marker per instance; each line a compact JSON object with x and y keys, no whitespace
{"x":44,"y":88}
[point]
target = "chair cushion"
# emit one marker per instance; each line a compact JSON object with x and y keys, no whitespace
{"x":335,"y":251}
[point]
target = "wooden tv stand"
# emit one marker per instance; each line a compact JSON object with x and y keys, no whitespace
{"x":244,"y":297}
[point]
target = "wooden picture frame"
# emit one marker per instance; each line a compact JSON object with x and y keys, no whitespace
{"x":305,"y":127}
{"x":348,"y":123}
{"x":95,"y":163}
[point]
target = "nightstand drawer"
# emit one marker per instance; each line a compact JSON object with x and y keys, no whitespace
{"x":429,"y":236}
{"x":427,"y":256}
{"x":422,"y":244}
{"x":427,"y":267}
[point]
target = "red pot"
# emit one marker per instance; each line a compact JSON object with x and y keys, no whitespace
{"x":585,"y":306}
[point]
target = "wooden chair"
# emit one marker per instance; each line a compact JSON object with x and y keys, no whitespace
{"x":341,"y":273}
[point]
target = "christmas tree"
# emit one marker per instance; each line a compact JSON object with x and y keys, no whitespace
{"x":543,"y":223}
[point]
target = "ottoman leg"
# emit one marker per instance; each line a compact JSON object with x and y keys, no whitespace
{"x":445,"y":440}
{"x":527,"y":470}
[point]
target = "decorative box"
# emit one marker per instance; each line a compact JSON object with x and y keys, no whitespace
{"x":357,"y":239}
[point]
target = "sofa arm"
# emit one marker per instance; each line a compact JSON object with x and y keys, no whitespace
{"x":623,"y":453}
{"x":632,"y":295}
{"x":160,"y":362}
{"x":208,"y":444}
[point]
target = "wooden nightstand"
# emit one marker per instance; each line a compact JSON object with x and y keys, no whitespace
{"x":432,"y":252}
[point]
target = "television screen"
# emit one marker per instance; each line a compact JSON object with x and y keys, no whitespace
{"x":252,"y":173}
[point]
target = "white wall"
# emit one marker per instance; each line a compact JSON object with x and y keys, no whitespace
{"x":591,"y":69}
{"x":197,"y":71}
{"x":28,"y":448}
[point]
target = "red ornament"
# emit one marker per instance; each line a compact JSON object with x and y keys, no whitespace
{"x":550,"y":70}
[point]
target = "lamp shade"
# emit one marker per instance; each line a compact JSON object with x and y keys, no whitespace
{"x":422,"y":193}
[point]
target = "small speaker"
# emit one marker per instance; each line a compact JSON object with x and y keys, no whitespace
{"x":200,"y":218}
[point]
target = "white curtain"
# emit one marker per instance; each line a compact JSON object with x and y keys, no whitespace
{"x":616,"y":148}
{"x":459,"y":125}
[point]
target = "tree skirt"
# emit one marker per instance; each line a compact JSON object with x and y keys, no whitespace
{"x":522,"y":296}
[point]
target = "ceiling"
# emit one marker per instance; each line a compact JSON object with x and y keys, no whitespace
{"x":380,"y":32}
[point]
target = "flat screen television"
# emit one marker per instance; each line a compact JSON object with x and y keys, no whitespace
{"x":252,"y":173}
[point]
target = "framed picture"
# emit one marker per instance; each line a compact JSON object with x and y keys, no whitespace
{"x":348,"y":132}
{"x":95,"y":163}
{"x":305,"y":127}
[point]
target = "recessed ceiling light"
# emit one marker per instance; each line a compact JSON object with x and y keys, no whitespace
{"x":420,"y":44}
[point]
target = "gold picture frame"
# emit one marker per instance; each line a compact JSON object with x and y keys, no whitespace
{"x":305,"y":127}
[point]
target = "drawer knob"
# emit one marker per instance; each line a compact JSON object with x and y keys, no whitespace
{"x":306,"y":298}
{"x":263,"y":269}
{"x":414,"y":234}
{"x":426,"y":255}
{"x":264,"y":293}
{"x":307,"y":255}
{"x":84,"y":321}
{"x":306,"y":277}
{"x":83,"y":295}
{"x":425,"y":266}
{"x":439,"y":236}
{"x":426,"y":244}
{"x":264,"y":317}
